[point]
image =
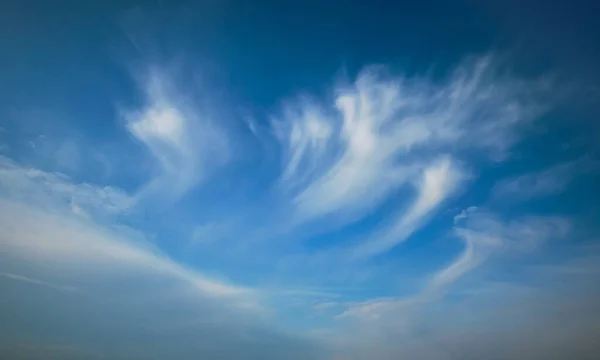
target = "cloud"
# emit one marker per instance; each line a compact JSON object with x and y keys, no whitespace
{"x":343,"y":159}
{"x":37,"y":282}
{"x":34,"y":186}
{"x":37,"y":236}
{"x":551,"y":181}
{"x":47,"y":217}
{"x":306,"y":132}
{"x":535,"y":315}
{"x":123,"y":291}
{"x":128,"y":294}
{"x":184,"y":140}
{"x":483,"y":235}
{"x":516,"y":324}
{"x":438,"y":181}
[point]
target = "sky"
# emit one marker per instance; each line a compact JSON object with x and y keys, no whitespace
{"x":299,"y":180}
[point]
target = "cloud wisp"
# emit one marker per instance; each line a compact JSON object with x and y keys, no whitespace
{"x":423,"y":325}
{"x":29,"y":280}
{"x":380,"y":133}
{"x":42,"y":188}
{"x":483,"y":235}
{"x":547,"y":182}
{"x":438,"y":182}
{"x":186,"y":142}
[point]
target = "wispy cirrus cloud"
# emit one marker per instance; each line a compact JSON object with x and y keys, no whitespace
{"x":382,"y":133}
{"x":423,"y":325}
{"x":120,"y":282}
{"x":184,"y":139}
{"x":61,"y":242}
{"x":438,"y":182}
{"x":54,"y":189}
{"x":127,"y":289}
{"x":483,"y":235}
{"x":52,"y":219}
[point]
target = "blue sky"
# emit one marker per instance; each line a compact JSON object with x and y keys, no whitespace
{"x":299,"y":181}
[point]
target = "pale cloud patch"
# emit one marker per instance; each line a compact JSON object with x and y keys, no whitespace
{"x":344,"y":158}
{"x":128,"y":293}
{"x":43,"y":188}
{"x":127,"y":290}
{"x":30,"y":280}
{"x":483,"y":235}
{"x":306,"y":133}
{"x":186,"y":141}
{"x":208,"y":233}
{"x":326,"y":306}
{"x":425,"y":325}
{"x":38,"y":223}
{"x":437,"y":183}
{"x":547,"y":182}
{"x":61,"y":242}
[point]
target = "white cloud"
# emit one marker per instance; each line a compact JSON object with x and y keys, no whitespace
{"x":438,"y":181}
{"x":37,"y":236}
{"x":306,"y":133}
{"x":424,"y":325}
{"x":374,"y":309}
{"x":122,"y":289}
{"x":127,"y":295}
{"x":38,"y":223}
{"x":43,"y":188}
{"x":185,"y":141}
{"x":483,"y":235}
{"x":26,"y":279}
{"x":343,"y":159}
{"x":464,"y":214}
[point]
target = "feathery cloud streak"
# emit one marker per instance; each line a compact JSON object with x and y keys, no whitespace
{"x":343,"y":160}
{"x":185,"y":141}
